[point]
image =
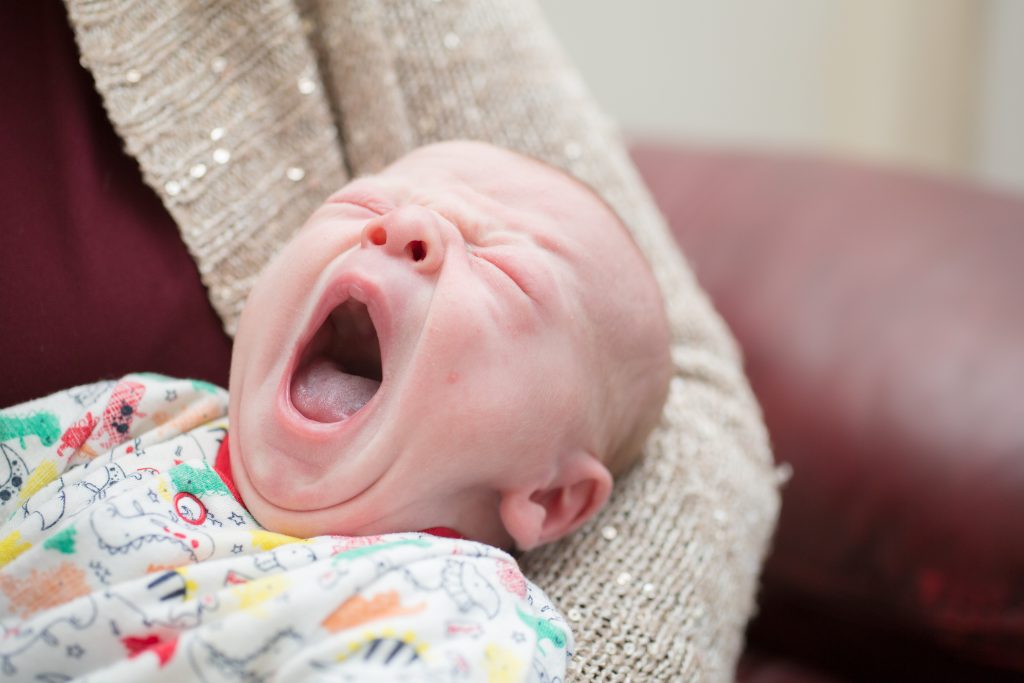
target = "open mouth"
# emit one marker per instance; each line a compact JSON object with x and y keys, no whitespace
{"x":340,"y":369}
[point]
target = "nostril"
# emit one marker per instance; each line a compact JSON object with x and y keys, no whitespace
{"x":416,"y":250}
{"x":379,"y":236}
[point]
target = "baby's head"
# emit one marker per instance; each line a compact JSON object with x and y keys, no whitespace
{"x":468,"y":339}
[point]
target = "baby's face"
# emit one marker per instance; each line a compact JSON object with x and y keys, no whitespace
{"x":420,"y":354}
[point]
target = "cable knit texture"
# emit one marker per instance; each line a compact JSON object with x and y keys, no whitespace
{"x":245,"y":115}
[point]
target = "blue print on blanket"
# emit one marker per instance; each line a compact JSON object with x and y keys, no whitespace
{"x":463,"y":583}
{"x":119,"y":532}
{"x":13,"y":473}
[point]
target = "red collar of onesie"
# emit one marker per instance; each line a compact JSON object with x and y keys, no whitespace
{"x":222,"y":466}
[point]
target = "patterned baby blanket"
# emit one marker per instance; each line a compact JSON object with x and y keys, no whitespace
{"x":125,"y":556}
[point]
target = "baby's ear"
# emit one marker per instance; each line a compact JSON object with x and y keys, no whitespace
{"x":539,"y":516}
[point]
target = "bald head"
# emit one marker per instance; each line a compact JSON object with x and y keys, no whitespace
{"x":624,"y":327}
{"x":630,"y":328}
{"x":626,"y":330}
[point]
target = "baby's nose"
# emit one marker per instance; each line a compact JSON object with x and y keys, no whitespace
{"x":408,"y":232}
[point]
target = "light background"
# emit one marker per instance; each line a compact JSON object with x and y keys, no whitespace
{"x":929,"y":84}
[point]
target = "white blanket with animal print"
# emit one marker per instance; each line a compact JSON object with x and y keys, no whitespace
{"x":125,"y":557}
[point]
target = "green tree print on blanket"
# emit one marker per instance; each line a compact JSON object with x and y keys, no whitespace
{"x":42,"y":424}
{"x":544,"y":629}
{"x":198,"y":480}
{"x":62,"y":541}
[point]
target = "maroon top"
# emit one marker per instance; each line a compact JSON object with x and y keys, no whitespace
{"x":96,"y":281}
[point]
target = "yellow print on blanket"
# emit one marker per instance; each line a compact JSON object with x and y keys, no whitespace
{"x":40,"y":477}
{"x":11,"y":546}
{"x":503,"y":666}
{"x":252,"y":595}
{"x":163,"y":490}
{"x":268,"y":540}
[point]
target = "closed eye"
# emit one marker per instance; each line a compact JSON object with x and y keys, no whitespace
{"x":358,"y":194}
{"x":502,"y":266}
{"x":375,"y":209}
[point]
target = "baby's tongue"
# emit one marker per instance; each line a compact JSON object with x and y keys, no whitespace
{"x":322,"y":392}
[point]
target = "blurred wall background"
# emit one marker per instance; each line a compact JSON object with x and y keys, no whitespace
{"x":930,"y":84}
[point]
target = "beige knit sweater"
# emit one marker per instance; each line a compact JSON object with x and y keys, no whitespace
{"x":244,"y":114}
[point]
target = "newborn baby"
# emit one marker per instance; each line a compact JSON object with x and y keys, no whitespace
{"x":469,"y":339}
{"x":451,"y":357}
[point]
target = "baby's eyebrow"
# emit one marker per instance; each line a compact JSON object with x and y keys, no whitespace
{"x":365,"y":193}
{"x":551,"y":243}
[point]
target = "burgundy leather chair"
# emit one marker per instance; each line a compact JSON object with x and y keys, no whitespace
{"x":882,"y":318}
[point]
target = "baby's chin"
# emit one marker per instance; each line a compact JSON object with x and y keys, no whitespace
{"x":271,"y":504}
{"x":284,"y":473}
{"x":300,"y":524}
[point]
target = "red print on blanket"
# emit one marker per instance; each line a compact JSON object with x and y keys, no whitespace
{"x":511,"y":578}
{"x":121,"y":410}
{"x":163,"y":649}
{"x":76,"y":435}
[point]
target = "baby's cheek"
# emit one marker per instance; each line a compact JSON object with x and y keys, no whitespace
{"x":473,"y":412}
